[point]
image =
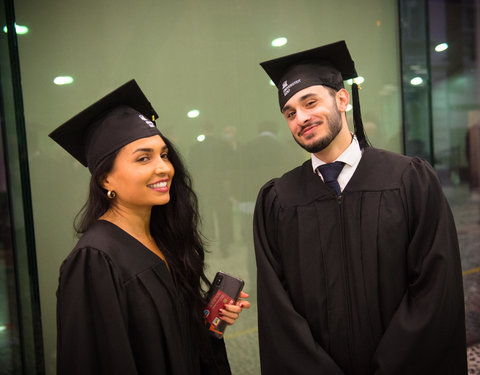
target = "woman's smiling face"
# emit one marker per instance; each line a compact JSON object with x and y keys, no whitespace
{"x":141,"y":175}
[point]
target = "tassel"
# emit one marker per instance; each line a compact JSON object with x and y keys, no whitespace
{"x":357,"y":118}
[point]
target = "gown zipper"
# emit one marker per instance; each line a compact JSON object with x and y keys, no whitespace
{"x":346,"y":279}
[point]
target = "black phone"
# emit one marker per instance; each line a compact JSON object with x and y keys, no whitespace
{"x":225,"y":290}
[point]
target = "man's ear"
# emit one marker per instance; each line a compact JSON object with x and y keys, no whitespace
{"x":342,"y":98}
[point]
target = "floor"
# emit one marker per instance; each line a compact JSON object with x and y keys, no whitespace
{"x":466,"y":209}
{"x":474,"y":359}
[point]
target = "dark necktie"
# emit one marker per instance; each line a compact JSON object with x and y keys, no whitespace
{"x":330,"y":173}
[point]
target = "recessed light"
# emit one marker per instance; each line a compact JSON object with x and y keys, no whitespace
{"x":63,"y":80}
{"x":416,"y":81}
{"x":193,"y":113}
{"x":278,"y":42}
{"x":19,"y":29}
{"x":358,"y":80}
{"x":441,"y":47}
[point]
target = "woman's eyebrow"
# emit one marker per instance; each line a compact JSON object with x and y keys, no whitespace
{"x":143,"y":150}
{"x":148,"y":149}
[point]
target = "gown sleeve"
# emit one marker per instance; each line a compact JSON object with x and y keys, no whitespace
{"x":92,"y":335}
{"x":427,"y":332}
{"x":215,"y":362}
{"x":286,"y":343}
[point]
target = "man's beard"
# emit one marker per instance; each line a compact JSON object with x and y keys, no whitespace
{"x":334,"y":120}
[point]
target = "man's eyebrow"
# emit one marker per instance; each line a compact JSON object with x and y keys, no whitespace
{"x":286,"y":108}
{"x":304,"y":97}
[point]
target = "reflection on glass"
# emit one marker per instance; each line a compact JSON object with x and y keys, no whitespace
{"x":359,"y":80}
{"x":278,"y":42}
{"x":455,"y":79}
{"x":199,"y":56}
{"x":19,"y":29}
{"x":193,"y":113}
{"x":441,"y":47}
{"x":416,"y":81}
{"x":9,"y":336}
{"x":63,"y":80}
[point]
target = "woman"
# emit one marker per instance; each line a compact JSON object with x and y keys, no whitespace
{"x":130,"y":295}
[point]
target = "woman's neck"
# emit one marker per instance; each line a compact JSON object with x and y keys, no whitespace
{"x":134,"y":222}
{"x":137,"y":224}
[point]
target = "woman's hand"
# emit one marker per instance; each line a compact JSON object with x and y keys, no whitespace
{"x":230,"y":313}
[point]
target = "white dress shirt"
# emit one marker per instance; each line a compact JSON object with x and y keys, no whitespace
{"x":351,"y":157}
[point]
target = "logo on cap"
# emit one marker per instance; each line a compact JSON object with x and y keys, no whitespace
{"x":286,"y":87}
{"x":149,"y":123}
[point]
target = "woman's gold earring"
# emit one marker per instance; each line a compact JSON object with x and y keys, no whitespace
{"x":111,"y":194}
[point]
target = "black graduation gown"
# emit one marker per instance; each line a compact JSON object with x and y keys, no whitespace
{"x":369,"y":283}
{"x":119,"y":312}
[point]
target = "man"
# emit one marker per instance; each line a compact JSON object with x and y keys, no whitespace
{"x":360,"y":273}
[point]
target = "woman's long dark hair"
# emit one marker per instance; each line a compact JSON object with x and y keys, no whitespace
{"x":174,"y":226}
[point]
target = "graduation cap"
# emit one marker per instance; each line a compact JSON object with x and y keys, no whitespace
{"x":327,"y":65}
{"x":117,"y":119}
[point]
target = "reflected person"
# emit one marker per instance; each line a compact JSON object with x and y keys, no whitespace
{"x":209,"y":162}
{"x":130,"y":295}
{"x":357,"y":252}
{"x":259,"y":160}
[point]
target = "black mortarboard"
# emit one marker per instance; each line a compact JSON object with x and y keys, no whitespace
{"x":117,"y":119}
{"x":328,"y":65}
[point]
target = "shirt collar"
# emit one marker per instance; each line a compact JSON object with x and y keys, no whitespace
{"x":350,"y":156}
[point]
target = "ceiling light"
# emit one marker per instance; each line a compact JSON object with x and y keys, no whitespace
{"x":416,"y":81}
{"x":279,"y":42}
{"x":19,"y":29}
{"x":63,"y":80}
{"x":441,"y":47}
{"x":359,"y":80}
{"x":193,"y":113}
{"x":201,"y":138}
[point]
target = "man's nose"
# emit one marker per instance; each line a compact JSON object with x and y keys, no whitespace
{"x":302,"y":117}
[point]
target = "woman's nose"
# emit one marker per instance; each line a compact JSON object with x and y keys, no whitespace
{"x":162,"y":167}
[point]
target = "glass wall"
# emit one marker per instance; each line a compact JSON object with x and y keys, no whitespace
{"x":440,"y":75}
{"x":190,"y":55}
{"x":10,"y":351}
{"x":20,"y":326}
{"x":454,"y":30}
